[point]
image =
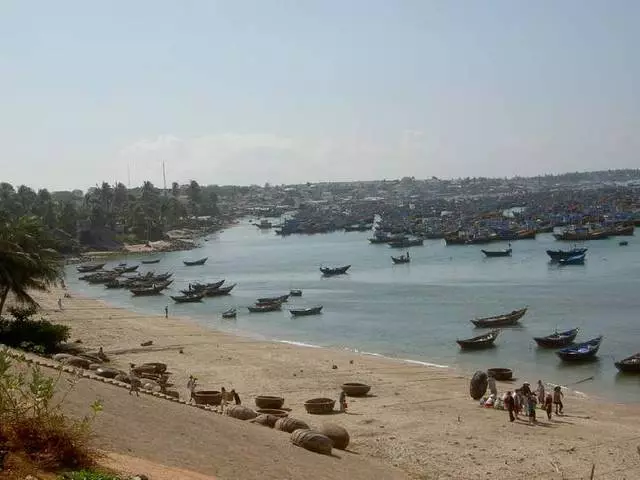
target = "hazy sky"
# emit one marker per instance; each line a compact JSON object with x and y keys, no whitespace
{"x":290,"y":91}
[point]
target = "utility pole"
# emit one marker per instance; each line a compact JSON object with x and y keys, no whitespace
{"x":164,"y":179}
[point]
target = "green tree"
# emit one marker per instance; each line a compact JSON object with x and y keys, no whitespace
{"x":175,"y":189}
{"x":68,"y":218}
{"x":26,"y":260}
{"x":26,"y":199}
{"x":45,"y":208}
{"x":194,"y":192}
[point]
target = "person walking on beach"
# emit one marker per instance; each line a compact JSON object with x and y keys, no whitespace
{"x":526,"y":389}
{"x":134,"y":385}
{"x":509,"y":403}
{"x":540,"y":392}
{"x":191,"y":386}
{"x":531,"y":403}
{"x":343,"y":401}
{"x":60,"y":304}
{"x":492,"y":385}
{"x":166,"y":311}
{"x":548,"y":405}
{"x":557,"y":399}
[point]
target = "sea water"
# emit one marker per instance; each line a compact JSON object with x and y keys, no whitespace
{"x":416,"y":311}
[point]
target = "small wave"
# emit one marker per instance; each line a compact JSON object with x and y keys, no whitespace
{"x":299,"y":344}
{"x":426,"y":364}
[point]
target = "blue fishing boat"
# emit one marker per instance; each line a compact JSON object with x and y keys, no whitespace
{"x":582,"y":351}
{"x":557,"y":339}
{"x":575,"y":260}
{"x":560,"y":254}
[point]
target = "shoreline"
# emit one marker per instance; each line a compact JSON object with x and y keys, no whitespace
{"x":413,"y":407}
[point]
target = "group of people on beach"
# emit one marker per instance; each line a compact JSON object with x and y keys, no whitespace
{"x":523,"y":400}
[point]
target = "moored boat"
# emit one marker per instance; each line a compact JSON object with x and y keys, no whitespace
{"x":193,"y":263}
{"x":217,"y":292}
{"x":150,"y":262}
{"x":582,"y":351}
{"x":125,"y":268}
{"x":497,"y":253}
{"x":90,"y":267}
{"x":231,"y":313}
{"x":146,"y":291}
{"x":575,"y":234}
{"x":630,"y":364}
{"x":330,"y":271}
{"x":623,"y":243}
{"x":267,"y":307}
{"x":295,"y":292}
{"x":281,"y":298}
{"x":479,"y":342}
{"x":557,"y":339}
{"x":301,"y":312}
{"x":194,"y":297}
{"x":504,"y":320}
{"x":201,"y":287}
{"x":559,"y":254}
{"x":401,"y":259}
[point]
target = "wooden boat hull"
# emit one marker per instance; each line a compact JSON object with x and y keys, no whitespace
{"x":630,"y":364}
{"x":281,"y":298}
{"x":400,"y":260}
{"x":231,"y":313}
{"x":576,"y":260}
{"x":217,"y":292}
{"x":188,"y":298}
{"x":150,"y":262}
{"x":557,"y":339}
{"x":303,"y":312}
{"x":480,"y":342}
{"x":505,"y":320}
{"x":329,"y":272}
{"x":194,"y":263}
{"x":265,"y":308}
{"x":497,"y":253}
{"x":581,"y":352}
{"x":295,"y":293}
{"x":90,"y":268}
{"x":560,"y":254}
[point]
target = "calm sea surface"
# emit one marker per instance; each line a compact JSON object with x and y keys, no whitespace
{"x":417,"y":311}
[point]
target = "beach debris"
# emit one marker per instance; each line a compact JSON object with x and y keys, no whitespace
{"x":107,"y":372}
{"x":148,"y":343}
{"x":478,"y":385}
{"x":312,"y":441}
{"x":334,"y":367}
{"x":350,"y":362}
{"x":289,"y":424}
{"x":180,"y":351}
{"x":338,"y":435}
{"x":240,"y":412}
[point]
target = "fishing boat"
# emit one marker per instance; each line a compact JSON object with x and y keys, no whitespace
{"x":301,"y":312}
{"x":581,"y":352}
{"x":90,"y":267}
{"x":150,"y":262}
{"x":623,"y":243}
{"x":504,"y":320}
{"x":560,"y":254}
{"x":217,"y":292}
{"x":126,"y":269}
{"x":199,"y":287}
{"x":406,"y":243}
{"x":193,"y":263}
{"x":146,"y":291}
{"x":497,"y":253}
{"x":401,"y":259}
{"x":264,"y":225}
{"x":479,"y":342}
{"x":231,"y":313}
{"x":630,"y":364}
{"x":622,"y":231}
{"x":579,"y":233}
{"x":557,"y":339}
{"x":194,"y":297}
{"x":281,"y":298}
{"x":266,"y":307}
{"x":575,"y":260}
{"x":330,"y":271}
{"x":295,"y":292}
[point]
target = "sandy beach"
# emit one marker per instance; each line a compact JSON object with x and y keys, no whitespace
{"x":418,"y":418}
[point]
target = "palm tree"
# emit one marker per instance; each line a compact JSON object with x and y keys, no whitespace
{"x":26,"y":262}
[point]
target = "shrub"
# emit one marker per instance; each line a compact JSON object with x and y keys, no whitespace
{"x":88,"y":475}
{"x":32,"y":424}
{"x":39,"y":336}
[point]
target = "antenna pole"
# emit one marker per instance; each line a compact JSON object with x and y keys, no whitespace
{"x":164,"y":179}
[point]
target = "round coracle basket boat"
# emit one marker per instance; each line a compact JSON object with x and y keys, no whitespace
{"x":501,"y":374}
{"x":478,"y":385}
{"x":273,"y":411}
{"x":268,"y":401}
{"x":319,"y":406}
{"x":207,"y":397}
{"x":355,"y":389}
{"x":151,"y":367}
